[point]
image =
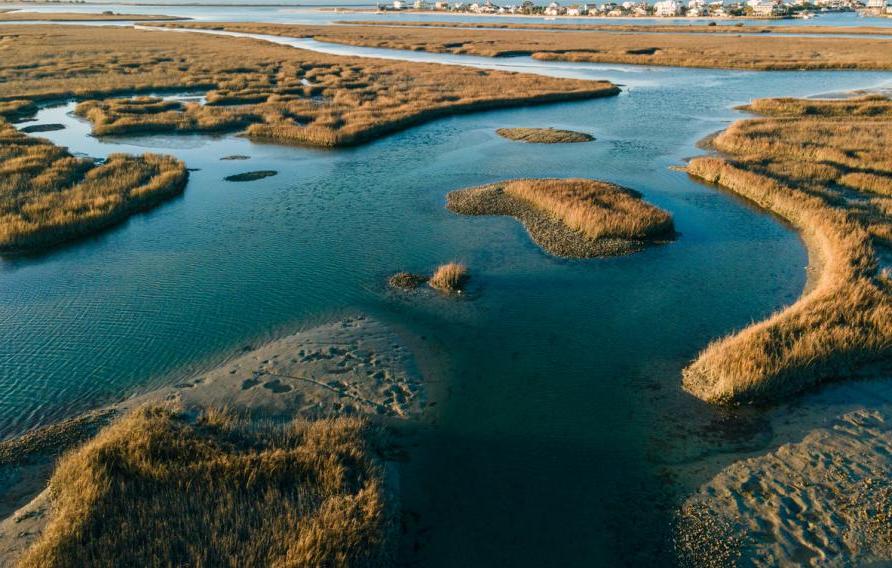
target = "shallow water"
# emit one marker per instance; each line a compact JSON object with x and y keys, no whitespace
{"x":557,"y":386}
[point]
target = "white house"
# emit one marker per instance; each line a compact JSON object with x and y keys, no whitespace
{"x":398,"y":4}
{"x":554,"y":9}
{"x":667,"y":8}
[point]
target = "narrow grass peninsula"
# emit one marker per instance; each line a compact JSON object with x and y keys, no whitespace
{"x":269,"y":92}
{"x":47,"y":196}
{"x":576,"y":218}
{"x":720,"y":51}
{"x":824,"y":166}
{"x":544,"y":135}
{"x":159,"y":487}
{"x":104,"y":16}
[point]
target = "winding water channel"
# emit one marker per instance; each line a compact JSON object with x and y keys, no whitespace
{"x":558,"y":416}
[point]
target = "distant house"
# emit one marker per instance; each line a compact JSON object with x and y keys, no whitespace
{"x":577,"y":10}
{"x":441,"y":5}
{"x":766,"y":8}
{"x":667,"y":8}
{"x":554,"y":9}
{"x":398,"y":4}
{"x":421,"y":5}
{"x":876,"y":7}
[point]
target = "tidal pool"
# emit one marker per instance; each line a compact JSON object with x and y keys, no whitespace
{"x":559,"y":415}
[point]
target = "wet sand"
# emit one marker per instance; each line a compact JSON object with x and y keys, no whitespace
{"x":822,"y":499}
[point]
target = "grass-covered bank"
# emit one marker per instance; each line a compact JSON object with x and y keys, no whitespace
{"x":823,"y":165}
{"x":719,"y":51}
{"x":270,"y":92}
{"x":571,"y":217}
{"x":48,"y":196}
{"x":158,"y":488}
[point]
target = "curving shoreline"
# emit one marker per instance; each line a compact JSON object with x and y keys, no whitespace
{"x":842,"y":326}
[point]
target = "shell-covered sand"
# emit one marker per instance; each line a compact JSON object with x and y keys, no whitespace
{"x":824,"y":499}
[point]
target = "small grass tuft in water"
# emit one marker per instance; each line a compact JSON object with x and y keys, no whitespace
{"x":406,"y":280}
{"x":451,"y":277}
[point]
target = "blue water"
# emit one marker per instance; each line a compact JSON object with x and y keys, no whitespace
{"x":558,"y":410}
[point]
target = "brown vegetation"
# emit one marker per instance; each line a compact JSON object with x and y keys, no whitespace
{"x":571,"y":217}
{"x":450,"y":277}
{"x":811,"y":164}
{"x":544,"y":135}
{"x":406,"y":280}
{"x":274,"y":92}
{"x":156,"y":489}
{"x":106,"y":16}
{"x":48,"y":196}
{"x":761,"y":52}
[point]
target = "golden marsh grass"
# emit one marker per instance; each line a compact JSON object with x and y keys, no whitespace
{"x":713,"y":50}
{"x":156,"y":489}
{"x":273,"y":92}
{"x":451,"y":277}
{"x":48,"y":196}
{"x":576,"y":218}
{"x":823,"y":166}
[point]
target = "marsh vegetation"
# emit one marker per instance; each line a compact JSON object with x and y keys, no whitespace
{"x":158,"y":488}
{"x":544,"y":135}
{"x":270,"y":92}
{"x":47,"y":196}
{"x":825,"y":166}
{"x":450,"y":277}
{"x":579,"y":218}
{"x":723,"y":51}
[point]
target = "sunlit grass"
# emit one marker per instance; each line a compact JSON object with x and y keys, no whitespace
{"x":711,"y":50}
{"x":157,"y":489}
{"x":48,"y":196}
{"x":450,"y":277}
{"x":269,"y":92}
{"x":803,"y":164}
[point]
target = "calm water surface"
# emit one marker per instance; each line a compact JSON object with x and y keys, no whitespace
{"x":558,"y":410}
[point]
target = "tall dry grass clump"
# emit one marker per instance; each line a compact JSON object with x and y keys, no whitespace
{"x":797,"y":165}
{"x":450,"y":277}
{"x":155,"y":489}
{"x":48,"y":196}
{"x":267,"y":91}
{"x":596,"y":209}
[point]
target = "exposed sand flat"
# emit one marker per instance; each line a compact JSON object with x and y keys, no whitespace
{"x":353,"y":366}
{"x":823,"y":501}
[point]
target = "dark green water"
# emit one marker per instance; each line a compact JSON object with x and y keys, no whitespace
{"x":557,"y":385}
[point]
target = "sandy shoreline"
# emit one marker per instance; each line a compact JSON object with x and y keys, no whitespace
{"x":354,"y":366}
{"x":820,"y":498}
